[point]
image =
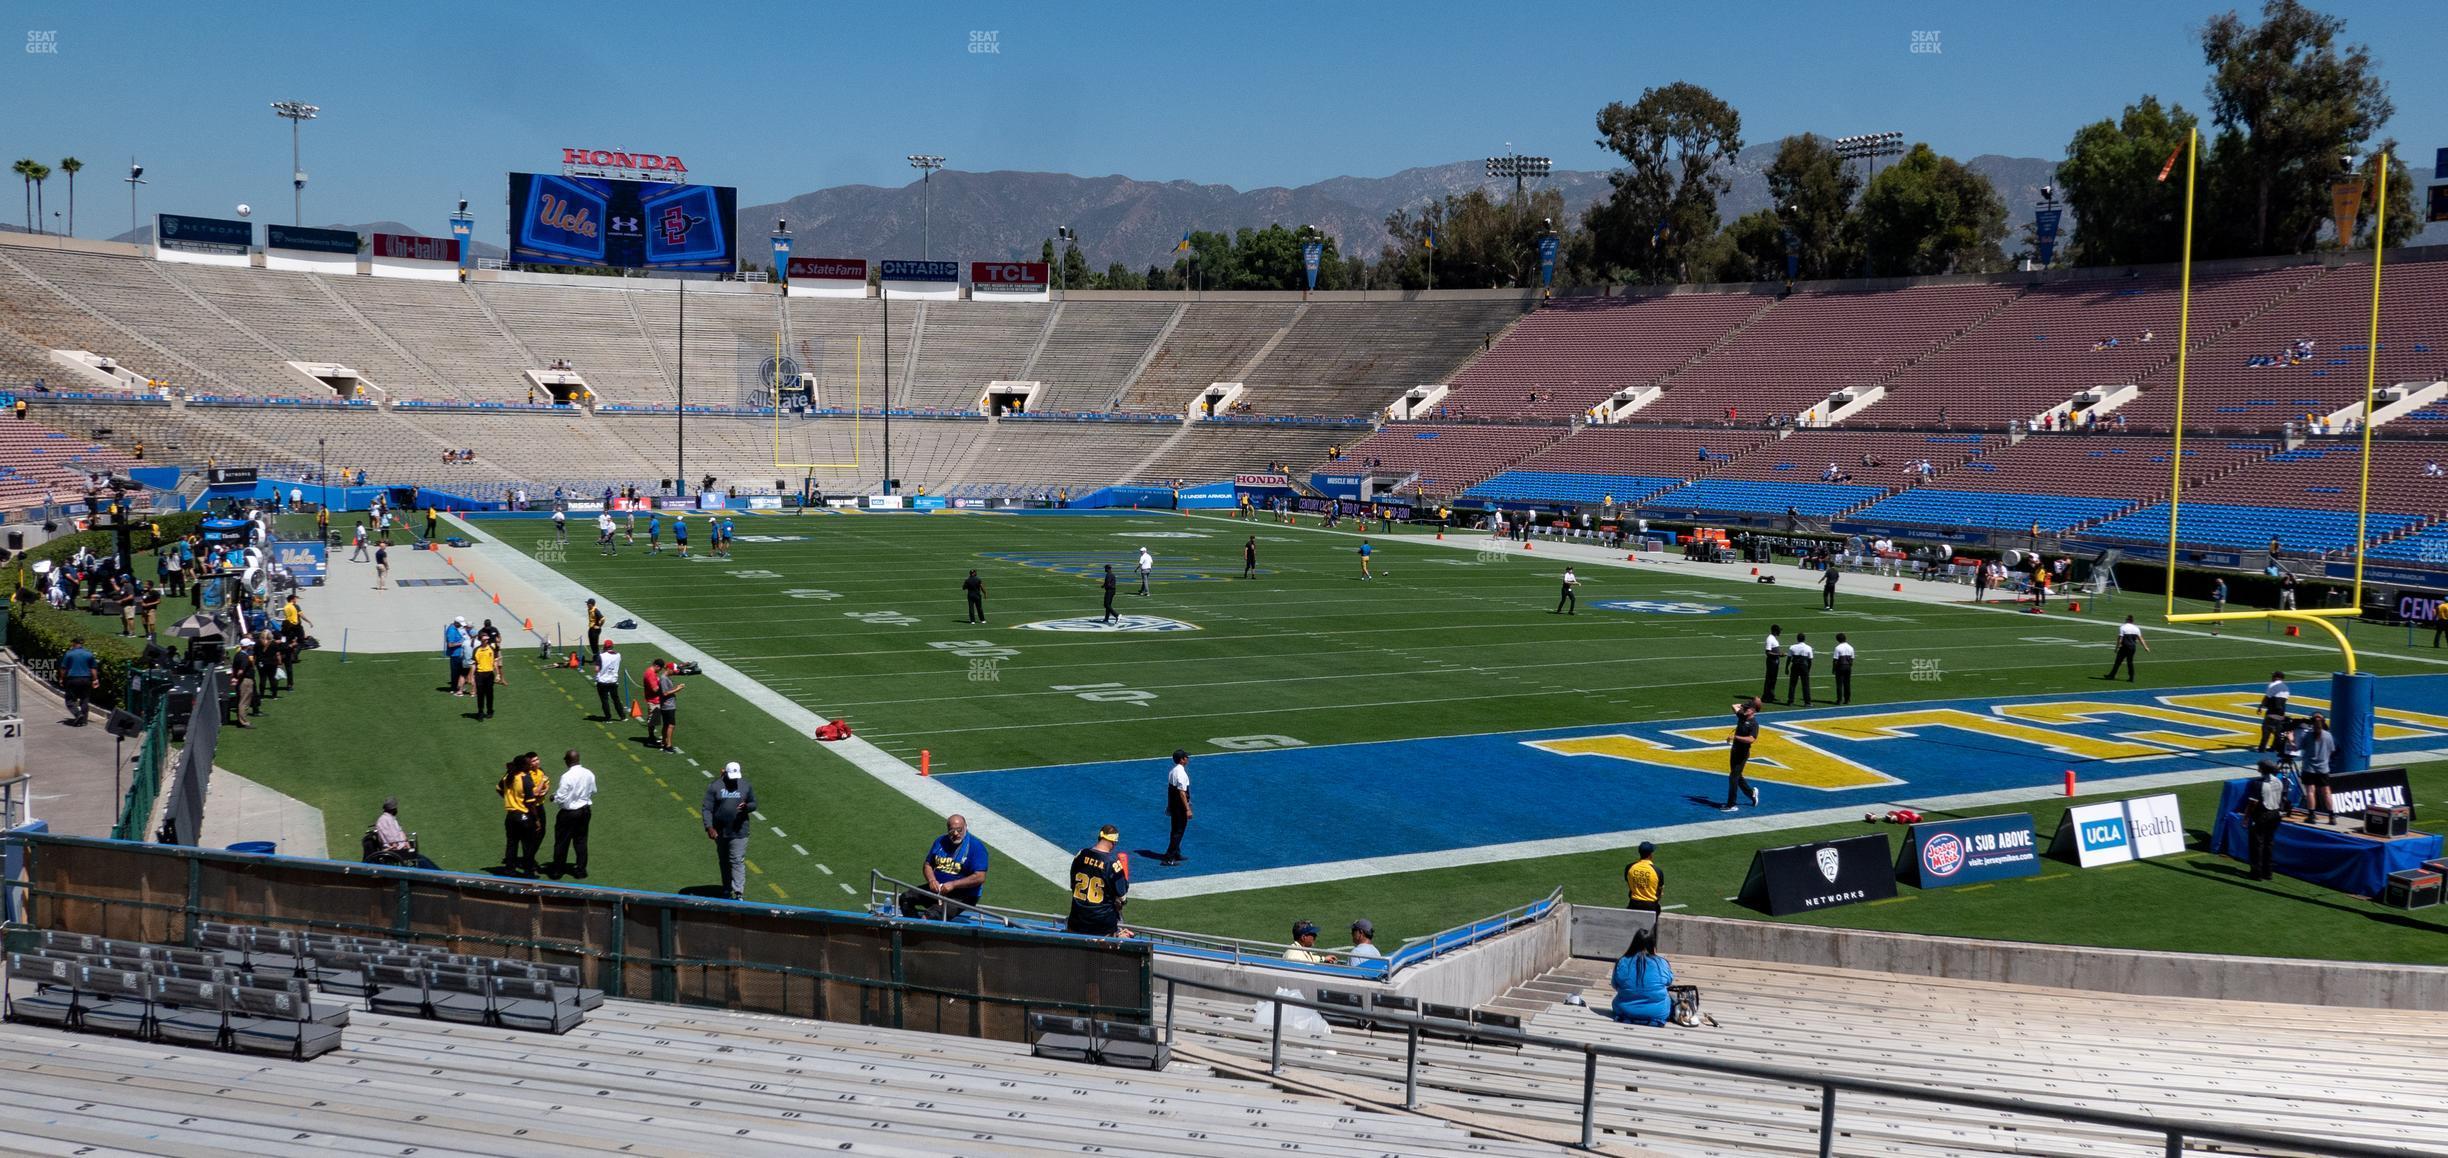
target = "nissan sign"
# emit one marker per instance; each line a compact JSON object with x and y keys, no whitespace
{"x":994,"y":276}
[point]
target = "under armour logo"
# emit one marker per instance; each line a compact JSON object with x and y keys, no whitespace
{"x":625,"y":225}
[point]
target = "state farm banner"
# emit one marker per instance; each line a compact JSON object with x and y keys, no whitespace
{"x":829,"y":269}
{"x":408,"y":247}
{"x":1010,"y":278}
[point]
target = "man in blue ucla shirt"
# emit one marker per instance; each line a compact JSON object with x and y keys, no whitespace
{"x":955,"y":865}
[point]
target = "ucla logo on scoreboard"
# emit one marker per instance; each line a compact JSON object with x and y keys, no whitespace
{"x":1127,"y":623}
{"x":1660,"y":607}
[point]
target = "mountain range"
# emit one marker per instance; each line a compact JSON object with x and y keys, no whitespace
{"x":1008,"y":215}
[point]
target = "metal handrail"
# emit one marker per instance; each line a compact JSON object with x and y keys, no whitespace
{"x":2175,"y":1131}
{"x":1242,"y":950}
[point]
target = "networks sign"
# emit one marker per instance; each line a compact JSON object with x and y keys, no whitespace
{"x":178,"y":231}
{"x":941,"y":271}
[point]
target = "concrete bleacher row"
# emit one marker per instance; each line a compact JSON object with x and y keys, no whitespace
{"x":660,"y":1079}
{"x":233,"y":332}
{"x":2274,"y":1068}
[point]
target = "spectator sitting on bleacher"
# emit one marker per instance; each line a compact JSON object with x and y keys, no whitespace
{"x":2432,"y":470}
{"x":1641,"y":978}
{"x":1364,"y":941}
{"x":1304,"y":946}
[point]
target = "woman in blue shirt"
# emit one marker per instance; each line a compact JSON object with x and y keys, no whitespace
{"x":1641,"y":978}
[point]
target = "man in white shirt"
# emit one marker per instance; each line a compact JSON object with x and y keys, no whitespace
{"x":1567,"y":603}
{"x":1844,"y":670}
{"x":1774,"y":651}
{"x":2129,"y":639}
{"x":1798,"y":669}
{"x":575,"y":798}
{"x":1147,"y":563}
{"x":608,"y":683}
{"x":1364,"y":940}
{"x":603,"y":531}
{"x":560,"y":525}
{"x":2273,"y":712}
{"x":1177,"y":805}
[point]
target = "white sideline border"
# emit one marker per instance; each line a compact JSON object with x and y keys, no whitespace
{"x":1013,"y":841}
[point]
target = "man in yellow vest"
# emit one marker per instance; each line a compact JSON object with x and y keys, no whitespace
{"x":524,"y":789}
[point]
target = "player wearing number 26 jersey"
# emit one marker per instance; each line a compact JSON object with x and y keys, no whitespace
{"x":1100,"y":883}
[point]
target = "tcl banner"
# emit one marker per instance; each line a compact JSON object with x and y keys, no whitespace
{"x":828,"y":269}
{"x":406,"y":247}
{"x":1009,"y":276}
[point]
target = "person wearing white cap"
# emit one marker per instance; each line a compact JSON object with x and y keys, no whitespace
{"x":728,"y":809}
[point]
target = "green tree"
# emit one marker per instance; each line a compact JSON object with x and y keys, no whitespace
{"x":2110,"y":179}
{"x":1119,"y":277}
{"x":1676,"y":142}
{"x":70,"y":165}
{"x":1075,"y":273}
{"x":1813,"y":191}
{"x":1481,"y":242}
{"x":24,"y":168}
{"x":2289,"y":100}
{"x":1928,"y":214}
{"x":40,"y":174}
{"x":1750,"y":249}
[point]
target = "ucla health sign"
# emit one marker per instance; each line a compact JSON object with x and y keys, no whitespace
{"x":2120,"y":830}
{"x":1968,"y":852}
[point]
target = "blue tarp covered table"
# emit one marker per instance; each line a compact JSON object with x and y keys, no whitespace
{"x":2347,"y":862}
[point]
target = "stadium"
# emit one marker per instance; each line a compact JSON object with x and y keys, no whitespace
{"x":1154,"y":712}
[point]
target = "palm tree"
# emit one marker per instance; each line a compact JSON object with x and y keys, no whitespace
{"x":24,"y":167}
{"x":39,"y":174}
{"x":70,"y":165}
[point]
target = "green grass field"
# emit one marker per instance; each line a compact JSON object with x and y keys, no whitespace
{"x":861,"y":616}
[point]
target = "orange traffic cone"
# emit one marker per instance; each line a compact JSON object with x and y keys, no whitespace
{"x":497,"y":599}
{"x":1755,"y":570}
{"x":1899,"y":587}
{"x":1525,"y":544}
{"x":526,"y":625}
{"x":636,"y":712}
{"x":2074,"y":606}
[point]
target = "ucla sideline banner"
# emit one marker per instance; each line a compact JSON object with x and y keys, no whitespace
{"x":1970,"y":852}
{"x":2120,"y":830}
{"x":1804,"y":878}
{"x":305,"y":559}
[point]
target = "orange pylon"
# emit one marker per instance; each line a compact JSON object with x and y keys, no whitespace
{"x":635,"y":712}
{"x":527,"y":625}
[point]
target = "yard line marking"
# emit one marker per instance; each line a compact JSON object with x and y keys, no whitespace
{"x":847,"y":889}
{"x":759,"y":815}
{"x":799,"y":850}
{"x":781,"y":834}
{"x":1671,"y":908}
{"x":752,"y":867}
{"x":1018,"y":844}
{"x":822,"y":869}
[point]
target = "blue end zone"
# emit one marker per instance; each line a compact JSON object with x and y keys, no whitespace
{"x":1347,"y":803}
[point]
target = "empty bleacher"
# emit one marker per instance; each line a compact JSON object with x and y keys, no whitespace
{"x":1575,"y":352}
{"x":602,"y":333}
{"x":2062,"y":338}
{"x":2058,"y":482}
{"x":1092,"y":350}
{"x":1449,"y":458}
{"x":2224,"y":391}
{"x":964,"y":346}
{"x":2193,"y":1059}
{"x":1811,"y":344}
{"x":1352,"y":358}
{"x":1211,"y":342}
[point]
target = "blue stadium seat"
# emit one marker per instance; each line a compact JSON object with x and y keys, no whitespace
{"x":1751,"y":497}
{"x":2223,"y":525}
{"x":1991,"y":510}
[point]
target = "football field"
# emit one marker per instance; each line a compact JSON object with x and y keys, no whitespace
{"x":1438,"y":719}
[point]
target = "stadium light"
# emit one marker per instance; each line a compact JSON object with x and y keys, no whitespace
{"x":296,"y":113}
{"x":134,"y":178}
{"x":1869,"y":147}
{"x":926,"y":164}
{"x":1068,"y":237}
{"x":1518,"y":167}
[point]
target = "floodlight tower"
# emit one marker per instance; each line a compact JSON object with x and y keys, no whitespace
{"x":926,"y":164}
{"x":296,"y":113}
{"x":1869,"y":147}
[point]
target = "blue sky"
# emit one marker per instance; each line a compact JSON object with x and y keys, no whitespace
{"x":426,"y":103}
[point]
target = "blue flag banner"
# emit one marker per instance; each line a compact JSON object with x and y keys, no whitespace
{"x":464,"y":229}
{"x":781,"y":250}
{"x":2044,"y":230}
{"x":1310,"y":253}
{"x":1547,"y":261}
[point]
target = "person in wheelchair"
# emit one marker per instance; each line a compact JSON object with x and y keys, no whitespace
{"x":387,"y":843}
